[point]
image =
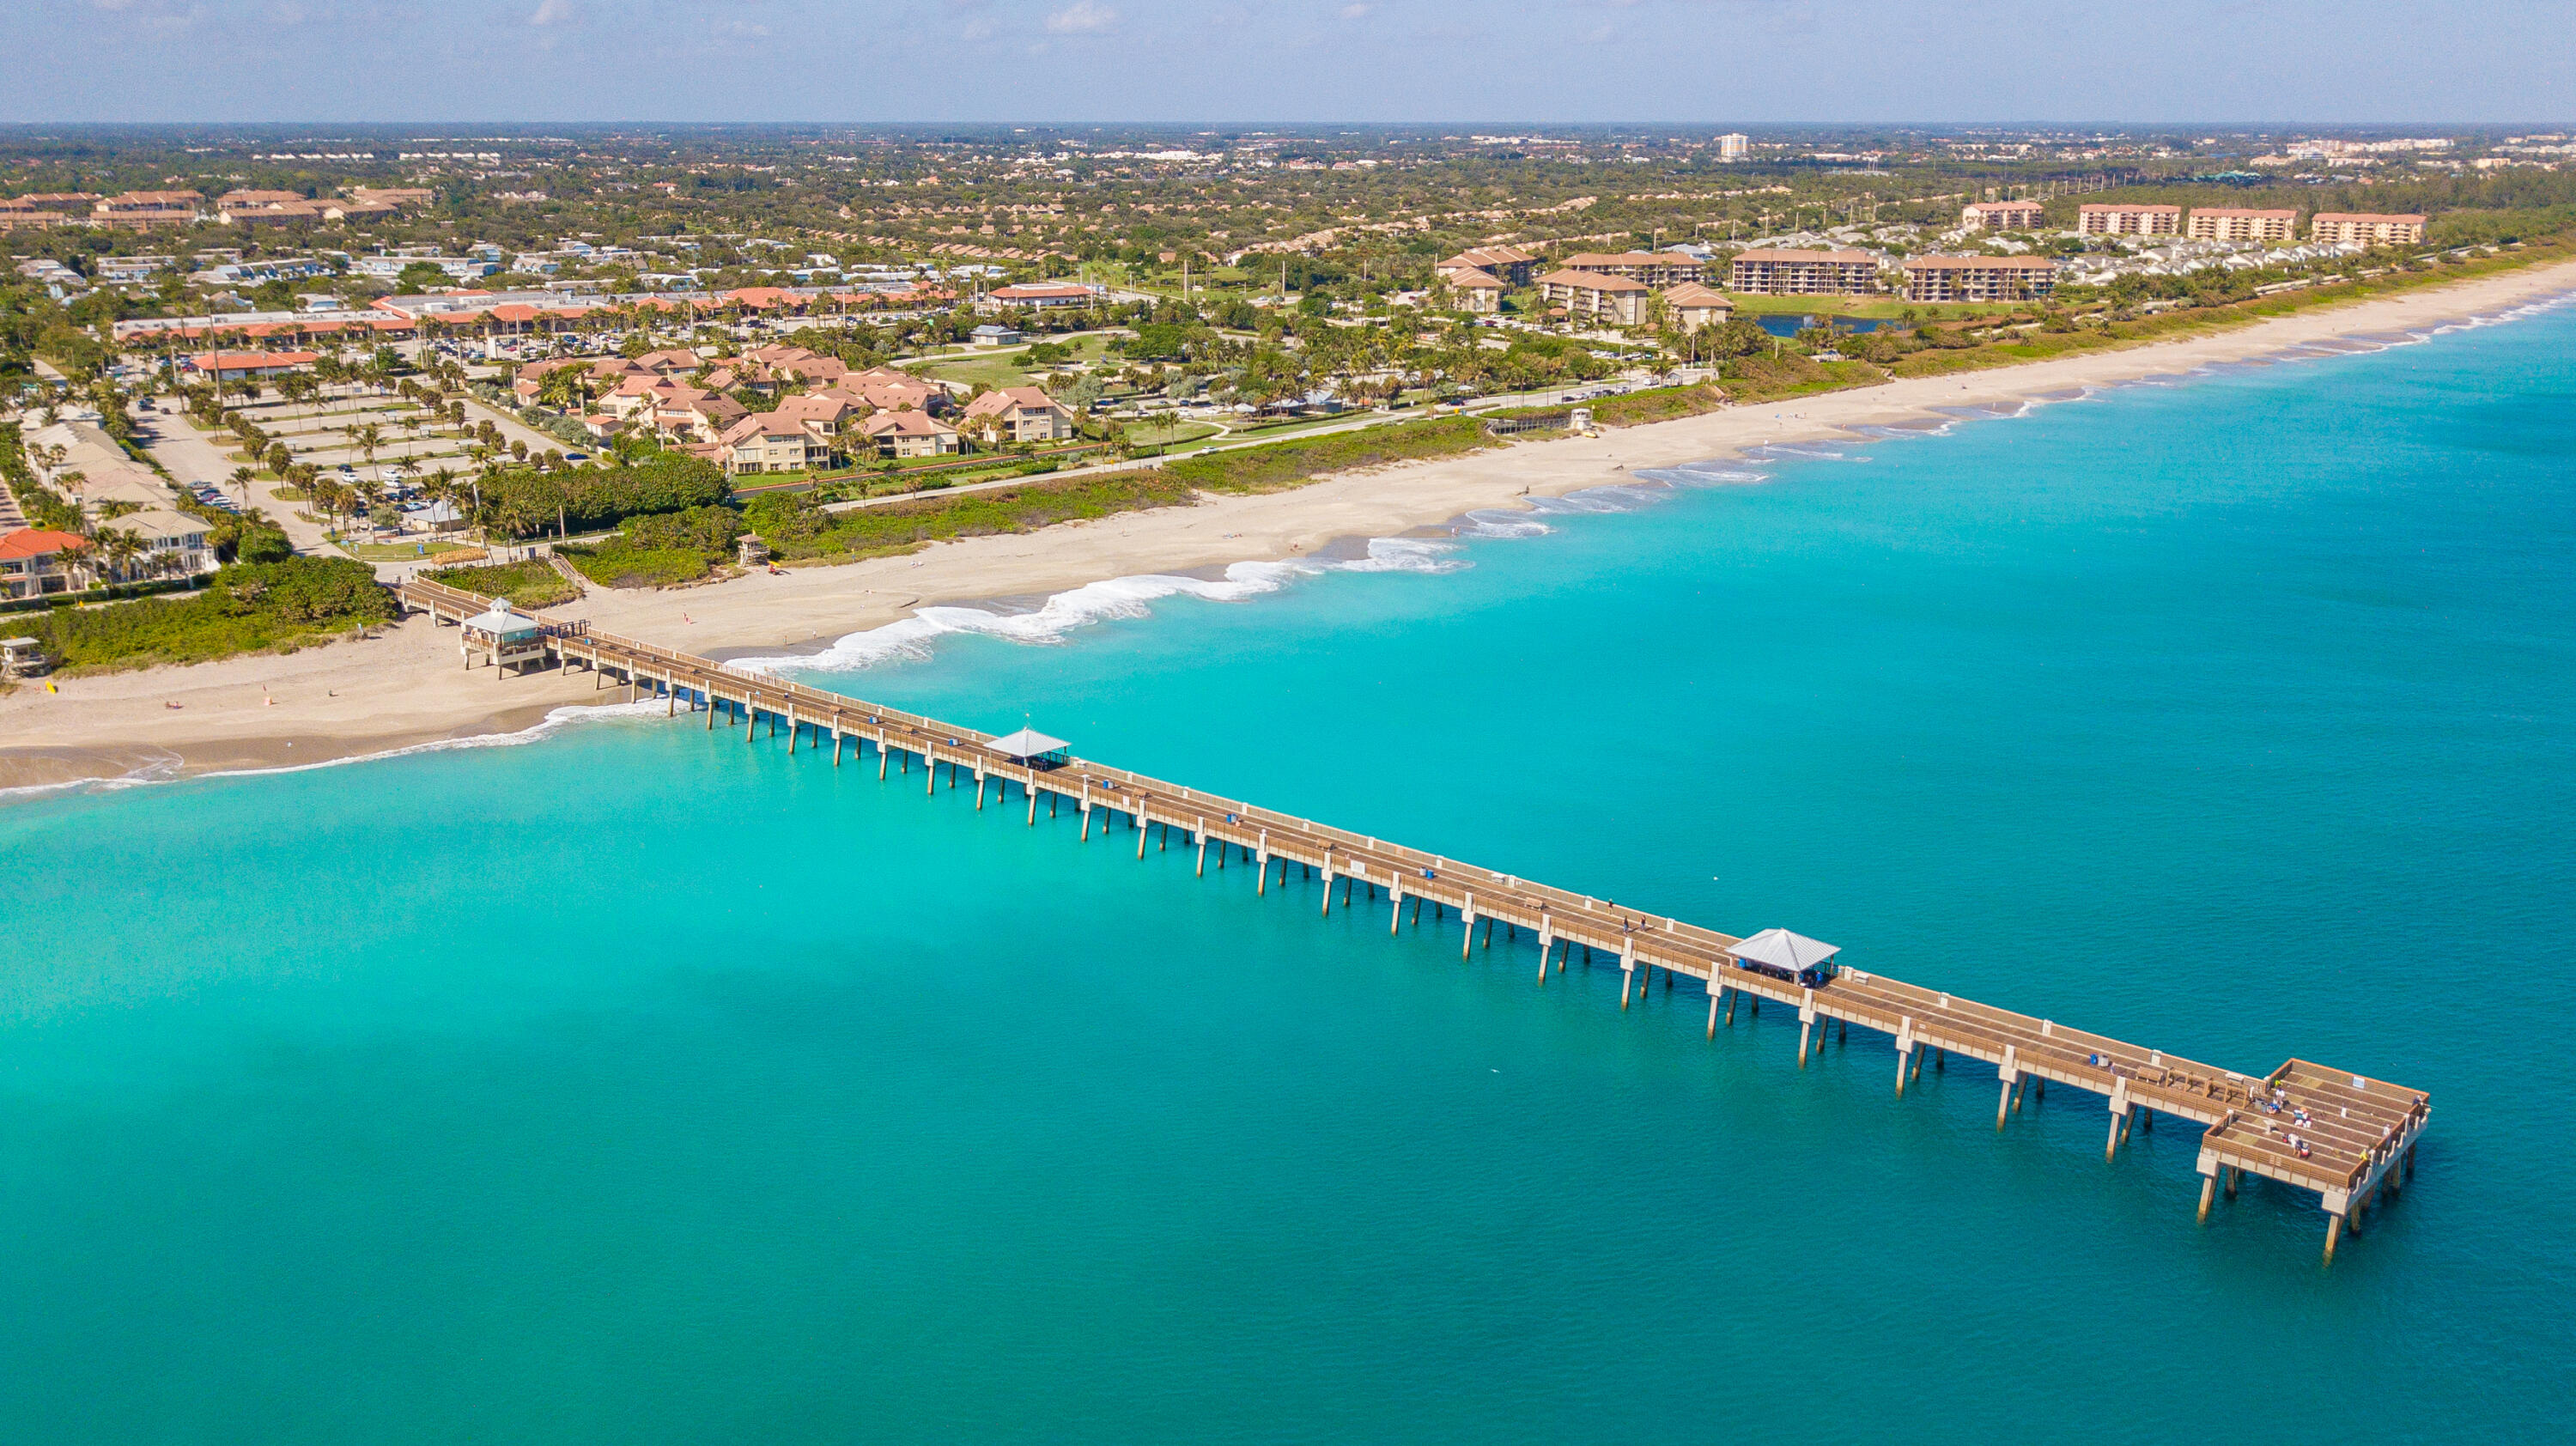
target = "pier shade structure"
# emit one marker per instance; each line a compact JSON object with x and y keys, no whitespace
{"x":2348,"y":1138}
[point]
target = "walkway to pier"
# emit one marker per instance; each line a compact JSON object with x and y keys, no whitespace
{"x":2344,"y":1136}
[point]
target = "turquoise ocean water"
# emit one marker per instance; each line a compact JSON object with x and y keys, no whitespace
{"x":639,"y":1085}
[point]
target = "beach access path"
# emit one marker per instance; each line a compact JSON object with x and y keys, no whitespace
{"x":404,"y":688}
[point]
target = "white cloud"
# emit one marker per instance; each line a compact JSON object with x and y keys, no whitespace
{"x":1356,"y":12}
{"x":977,"y":30}
{"x":1081,"y":18}
{"x":556,"y":12}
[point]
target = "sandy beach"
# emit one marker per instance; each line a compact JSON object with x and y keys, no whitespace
{"x":407,"y":687}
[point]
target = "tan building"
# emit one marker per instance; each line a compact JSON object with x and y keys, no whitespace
{"x":1473,"y":290}
{"x":2216,"y":223}
{"x":1803,"y":273}
{"x":2124,"y":218}
{"x":143,"y":210}
{"x":1508,"y":264}
{"x":769,"y":442}
{"x":47,"y":208}
{"x":1021,"y":414}
{"x":1979,"y":278}
{"x":1590,"y":294}
{"x":911,"y":434}
{"x":2000,"y":215}
{"x":174,"y":544}
{"x":1655,"y":268}
{"x":2341,"y":228}
{"x":1691,"y":306}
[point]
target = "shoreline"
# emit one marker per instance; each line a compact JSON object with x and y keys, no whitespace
{"x":405,"y":689}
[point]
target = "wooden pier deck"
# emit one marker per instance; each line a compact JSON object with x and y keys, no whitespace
{"x":2344,"y":1136}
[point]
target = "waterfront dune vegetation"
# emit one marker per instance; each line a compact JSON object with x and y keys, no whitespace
{"x":246,"y":608}
{"x":530,"y":584}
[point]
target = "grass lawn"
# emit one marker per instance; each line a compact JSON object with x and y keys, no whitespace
{"x":1008,"y":366}
{"x":397,"y":551}
{"x":1167,"y":434}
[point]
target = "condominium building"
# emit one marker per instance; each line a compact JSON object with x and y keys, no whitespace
{"x":2338,"y":228}
{"x":1655,"y":268}
{"x":1732,"y":147}
{"x":2125,"y":218}
{"x":2000,"y":215}
{"x":1021,"y":414}
{"x":2213,"y":223}
{"x":1803,"y":273}
{"x":1979,"y":278}
{"x":1614,"y":299}
{"x":1508,"y":264}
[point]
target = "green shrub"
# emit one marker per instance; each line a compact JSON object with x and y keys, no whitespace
{"x":1289,"y":464}
{"x":246,"y":608}
{"x":529,"y":584}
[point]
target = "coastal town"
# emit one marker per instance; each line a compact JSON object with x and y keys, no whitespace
{"x":386,"y":356}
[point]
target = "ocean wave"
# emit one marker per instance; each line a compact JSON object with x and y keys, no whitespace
{"x":1047,"y":624}
{"x":1495,"y":523}
{"x":1404,"y":554}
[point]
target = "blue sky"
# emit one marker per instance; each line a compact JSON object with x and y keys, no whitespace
{"x":1714,"y":61}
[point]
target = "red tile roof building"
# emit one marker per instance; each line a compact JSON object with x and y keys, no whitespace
{"x":1655,"y":268}
{"x":1613,"y":299}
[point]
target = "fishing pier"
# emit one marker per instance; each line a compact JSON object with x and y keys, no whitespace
{"x":2348,"y":1138}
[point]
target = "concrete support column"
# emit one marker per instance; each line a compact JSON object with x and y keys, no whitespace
{"x":2003,"y":1102}
{"x":1032,"y":786}
{"x":1202,"y":869}
{"x":2334,"y":1236}
{"x":1395,"y":914}
{"x":791,"y":730}
{"x":1326,"y":911}
{"x":882,"y":760}
{"x":1467,"y":942}
{"x":1904,"y":1052}
{"x":1145,"y":827}
{"x":979,"y":788}
{"x":1261,"y":856}
{"x":1716,"y":991}
{"x":1627,"y":970}
{"x":2208,"y":1188}
{"x":671,"y":697}
{"x":1546,"y":946}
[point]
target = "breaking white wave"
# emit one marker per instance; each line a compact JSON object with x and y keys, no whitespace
{"x":1119,"y":597}
{"x":1403,"y":554}
{"x":1496,"y":523}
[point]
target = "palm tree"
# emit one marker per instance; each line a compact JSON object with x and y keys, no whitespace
{"x":120,"y":548}
{"x":367,"y":439}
